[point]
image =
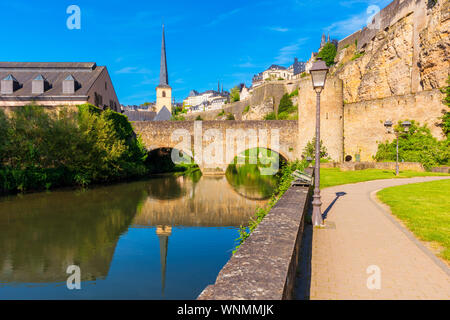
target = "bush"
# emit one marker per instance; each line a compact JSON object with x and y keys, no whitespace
{"x":294,"y":93}
{"x":230,"y":116}
{"x":270,"y":116}
{"x":235,"y":94}
{"x":199,"y":118}
{"x":42,"y":150}
{"x":417,"y":145}
{"x":310,"y":150}
{"x":246,"y":109}
{"x":286,"y":105}
{"x":328,"y":53}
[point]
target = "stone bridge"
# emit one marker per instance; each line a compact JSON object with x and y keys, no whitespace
{"x":215,"y":144}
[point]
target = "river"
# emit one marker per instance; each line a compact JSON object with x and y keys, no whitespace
{"x":163,"y":238}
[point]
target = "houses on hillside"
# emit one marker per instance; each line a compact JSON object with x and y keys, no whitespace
{"x":207,"y":100}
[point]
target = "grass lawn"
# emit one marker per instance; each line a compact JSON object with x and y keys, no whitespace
{"x":425,"y":210}
{"x":334,"y":176}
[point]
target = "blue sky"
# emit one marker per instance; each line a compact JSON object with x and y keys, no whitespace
{"x":207,"y":41}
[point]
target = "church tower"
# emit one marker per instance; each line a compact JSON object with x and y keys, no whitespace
{"x":163,"y":90}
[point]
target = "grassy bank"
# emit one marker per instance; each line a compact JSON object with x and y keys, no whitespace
{"x":334,"y":176}
{"x":425,"y":210}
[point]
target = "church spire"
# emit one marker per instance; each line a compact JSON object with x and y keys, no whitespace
{"x":163,"y":77}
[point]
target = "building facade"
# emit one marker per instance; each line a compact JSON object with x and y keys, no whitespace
{"x":163,"y":90}
{"x":56,"y":84}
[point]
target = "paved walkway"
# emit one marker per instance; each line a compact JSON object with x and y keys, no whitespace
{"x":359,"y":234}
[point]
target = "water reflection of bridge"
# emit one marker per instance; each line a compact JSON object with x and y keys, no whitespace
{"x":42,"y":233}
{"x":210,"y":202}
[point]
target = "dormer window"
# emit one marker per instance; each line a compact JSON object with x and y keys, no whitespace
{"x":9,"y":84}
{"x":69,"y":85}
{"x":39,"y":85}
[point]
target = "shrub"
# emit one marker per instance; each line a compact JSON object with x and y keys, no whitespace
{"x":43,"y":150}
{"x":230,"y":116}
{"x":270,"y":116}
{"x":357,"y":55}
{"x":235,"y":94}
{"x":286,"y":105}
{"x":246,"y":109}
{"x":294,"y":93}
{"x":310,"y":150}
{"x":417,"y":145}
{"x":199,"y":118}
{"x":328,"y":53}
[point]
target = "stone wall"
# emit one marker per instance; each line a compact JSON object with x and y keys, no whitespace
{"x":403,"y":66}
{"x":264,"y":267}
{"x":331,"y":115}
{"x":364,"y":121}
{"x":272,"y":91}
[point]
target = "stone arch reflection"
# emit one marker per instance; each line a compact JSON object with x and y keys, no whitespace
{"x":249,"y":176}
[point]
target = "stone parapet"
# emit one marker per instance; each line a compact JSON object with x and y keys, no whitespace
{"x":264,"y":266}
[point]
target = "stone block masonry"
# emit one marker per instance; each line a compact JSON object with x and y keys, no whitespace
{"x":264,"y":267}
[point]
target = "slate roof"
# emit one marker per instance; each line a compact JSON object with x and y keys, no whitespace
{"x":85,"y":73}
{"x":163,"y":115}
{"x":274,"y":66}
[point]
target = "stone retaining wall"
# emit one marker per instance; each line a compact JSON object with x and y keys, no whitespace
{"x":352,"y":166}
{"x":264,"y":266}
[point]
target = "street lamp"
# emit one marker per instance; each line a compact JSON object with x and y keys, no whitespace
{"x":318,"y":72}
{"x":388,"y":125}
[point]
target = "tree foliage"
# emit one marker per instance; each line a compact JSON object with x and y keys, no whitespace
{"x":310,"y":150}
{"x":48,"y":149}
{"x":416,"y":145}
{"x":328,"y":53}
{"x":235,"y":94}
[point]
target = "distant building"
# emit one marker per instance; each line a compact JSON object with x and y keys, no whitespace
{"x":56,"y":84}
{"x":276,"y":72}
{"x":207,"y":100}
{"x":163,"y":90}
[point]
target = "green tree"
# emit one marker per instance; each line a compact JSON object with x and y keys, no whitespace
{"x":416,"y":145}
{"x":310,"y":150}
{"x":328,"y":53}
{"x":234,"y":94}
{"x":286,"y":104}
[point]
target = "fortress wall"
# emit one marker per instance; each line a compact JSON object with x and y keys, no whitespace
{"x":364,"y":121}
{"x":331,"y":114}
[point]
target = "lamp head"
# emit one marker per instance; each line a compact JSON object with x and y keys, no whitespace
{"x":318,"y":73}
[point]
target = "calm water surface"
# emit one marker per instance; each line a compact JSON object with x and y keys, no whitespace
{"x":165,"y":238}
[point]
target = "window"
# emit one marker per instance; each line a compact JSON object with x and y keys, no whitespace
{"x":164,"y":94}
{"x":98,"y":99}
{"x":106,"y":85}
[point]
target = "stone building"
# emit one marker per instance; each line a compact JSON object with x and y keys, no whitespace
{"x":56,"y":84}
{"x":276,"y":72}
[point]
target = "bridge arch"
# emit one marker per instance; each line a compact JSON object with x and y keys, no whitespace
{"x":160,"y":134}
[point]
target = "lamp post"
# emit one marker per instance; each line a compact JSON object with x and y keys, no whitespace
{"x":318,"y":72}
{"x":388,"y":126}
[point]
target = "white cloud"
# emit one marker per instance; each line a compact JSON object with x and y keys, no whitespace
{"x":287,"y":53}
{"x":278,"y":29}
{"x":132,"y":70}
{"x":348,"y":26}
